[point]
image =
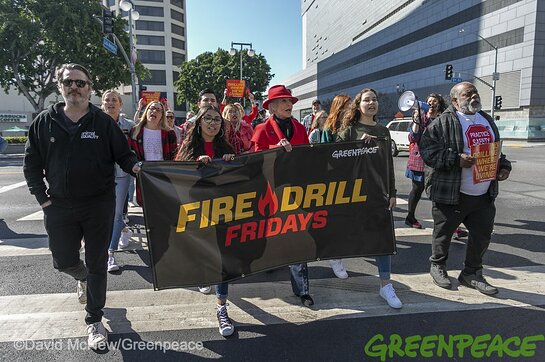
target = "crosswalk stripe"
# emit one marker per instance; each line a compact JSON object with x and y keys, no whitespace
{"x":46,"y":316}
{"x":11,"y":187}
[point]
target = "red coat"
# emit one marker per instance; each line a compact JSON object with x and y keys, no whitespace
{"x":268,"y":134}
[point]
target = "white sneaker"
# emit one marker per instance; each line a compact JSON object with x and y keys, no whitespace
{"x":126,"y":235}
{"x":226,"y":327}
{"x":81,"y":290}
{"x":98,"y":335}
{"x":338,"y":268}
{"x":112,"y":265}
{"x":205,"y":290}
{"x":388,"y":293}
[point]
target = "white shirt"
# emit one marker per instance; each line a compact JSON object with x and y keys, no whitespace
{"x":476,"y":131}
{"x":153,"y":148}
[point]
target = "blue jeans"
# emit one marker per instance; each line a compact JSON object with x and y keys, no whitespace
{"x":299,"y":279}
{"x":131,"y":188}
{"x":384,"y":264}
{"x":121,"y":189}
{"x":222,"y":290}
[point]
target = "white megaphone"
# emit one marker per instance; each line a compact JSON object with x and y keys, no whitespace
{"x":409,"y":100}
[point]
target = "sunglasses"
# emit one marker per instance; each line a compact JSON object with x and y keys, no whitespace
{"x":79,"y":83}
{"x":170,"y":116}
{"x":209,"y":119}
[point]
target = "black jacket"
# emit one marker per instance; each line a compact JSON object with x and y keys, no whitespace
{"x":80,"y":169}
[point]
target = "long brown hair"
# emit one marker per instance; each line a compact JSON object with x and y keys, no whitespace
{"x":353,"y":114}
{"x":193,"y":146}
{"x":336,"y":112}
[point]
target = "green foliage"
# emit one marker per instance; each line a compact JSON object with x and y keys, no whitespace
{"x":37,"y":36}
{"x":211,"y":70}
{"x":13,"y":140}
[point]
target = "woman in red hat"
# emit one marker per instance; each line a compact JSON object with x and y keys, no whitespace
{"x":282,"y":130}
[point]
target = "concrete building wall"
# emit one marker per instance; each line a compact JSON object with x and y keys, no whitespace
{"x":407,"y":43}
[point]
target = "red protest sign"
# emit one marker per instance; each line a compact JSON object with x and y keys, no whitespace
{"x":486,"y":161}
{"x":235,"y":88}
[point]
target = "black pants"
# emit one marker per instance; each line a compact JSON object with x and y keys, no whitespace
{"x":414,"y":196}
{"x":66,"y":226}
{"x":477,"y":213}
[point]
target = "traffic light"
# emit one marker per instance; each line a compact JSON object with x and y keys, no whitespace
{"x":107,"y":21}
{"x":448,"y":72}
{"x":497,"y":103}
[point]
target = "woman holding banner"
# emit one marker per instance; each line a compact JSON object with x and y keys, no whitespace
{"x":360,"y":123}
{"x":282,"y":130}
{"x":339,"y":106}
{"x":206,"y":141}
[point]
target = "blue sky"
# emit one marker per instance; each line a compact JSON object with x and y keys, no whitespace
{"x":273,"y":27}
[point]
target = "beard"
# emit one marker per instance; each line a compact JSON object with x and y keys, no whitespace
{"x":469,"y":108}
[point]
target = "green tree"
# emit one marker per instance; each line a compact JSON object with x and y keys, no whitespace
{"x":37,"y":36}
{"x":211,"y":70}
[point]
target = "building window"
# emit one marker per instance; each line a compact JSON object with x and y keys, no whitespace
{"x":178,"y":3}
{"x":175,"y":76}
{"x":111,"y":3}
{"x":155,"y":1}
{"x":151,"y":56}
{"x":177,"y":43}
{"x":150,"y":11}
{"x":150,"y":25}
{"x":178,"y":30}
{"x":150,"y":40}
{"x":177,"y":58}
{"x":158,"y":77}
{"x":176,"y":15}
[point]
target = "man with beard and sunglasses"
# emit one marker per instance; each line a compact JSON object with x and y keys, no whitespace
{"x":445,"y":147}
{"x":74,"y":146}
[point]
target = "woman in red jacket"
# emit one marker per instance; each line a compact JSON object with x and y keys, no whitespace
{"x":282,"y":130}
{"x":151,"y":139}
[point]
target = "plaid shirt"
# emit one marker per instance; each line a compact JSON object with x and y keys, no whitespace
{"x":440,"y":147}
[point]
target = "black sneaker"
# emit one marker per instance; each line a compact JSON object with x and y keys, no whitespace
{"x":440,"y":276}
{"x":307,"y":300}
{"x":226,"y":327}
{"x":477,"y":281}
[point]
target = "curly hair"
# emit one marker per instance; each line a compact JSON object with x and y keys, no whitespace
{"x":353,"y":115}
{"x":336,"y":112}
{"x":440,"y":100}
{"x":193,"y":146}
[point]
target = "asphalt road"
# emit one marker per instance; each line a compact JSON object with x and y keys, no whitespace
{"x":37,"y":304}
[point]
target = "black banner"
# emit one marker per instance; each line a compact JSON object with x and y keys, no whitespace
{"x":215,"y":223}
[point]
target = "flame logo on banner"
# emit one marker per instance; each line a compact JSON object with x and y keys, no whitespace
{"x":268,"y":200}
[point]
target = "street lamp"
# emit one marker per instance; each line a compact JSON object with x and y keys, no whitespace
{"x":128,"y":6}
{"x":251,"y":53}
{"x":495,"y":75}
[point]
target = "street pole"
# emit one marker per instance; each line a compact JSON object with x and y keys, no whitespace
{"x":495,"y":75}
{"x":132,"y":69}
{"x":251,"y":53}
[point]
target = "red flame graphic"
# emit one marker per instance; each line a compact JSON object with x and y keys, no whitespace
{"x":268,"y":200}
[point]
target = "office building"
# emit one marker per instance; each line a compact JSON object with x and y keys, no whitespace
{"x":397,"y":45}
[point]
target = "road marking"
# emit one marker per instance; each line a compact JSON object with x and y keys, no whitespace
{"x":38,"y":215}
{"x":59,"y":315}
{"x":11,"y":187}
